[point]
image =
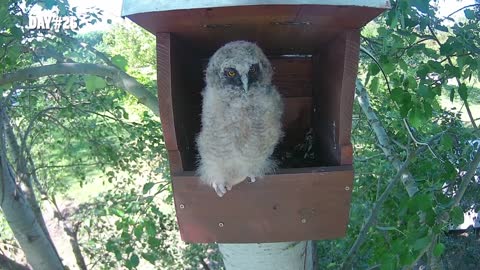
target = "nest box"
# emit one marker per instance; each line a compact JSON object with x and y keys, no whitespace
{"x":313,"y":46}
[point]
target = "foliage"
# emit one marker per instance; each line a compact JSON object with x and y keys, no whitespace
{"x":80,"y":129}
{"x":412,"y":60}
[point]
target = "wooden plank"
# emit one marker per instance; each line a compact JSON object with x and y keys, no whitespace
{"x":298,"y":112}
{"x":271,"y":26}
{"x":132,"y":6}
{"x":335,"y":71}
{"x":283,"y":207}
{"x":350,"y":69}
{"x":164,"y":84}
{"x":293,"y":76}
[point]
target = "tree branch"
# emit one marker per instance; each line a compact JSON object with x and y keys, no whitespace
{"x":384,"y":141}
{"x":347,"y":264}
{"x":118,"y":78}
{"x":467,"y":106}
{"x":9,"y":264}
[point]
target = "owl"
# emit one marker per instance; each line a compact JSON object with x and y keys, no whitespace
{"x":241,"y":117}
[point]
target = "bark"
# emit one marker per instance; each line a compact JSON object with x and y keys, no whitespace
{"x":24,"y":178}
{"x":9,"y":264}
{"x":384,"y":141}
{"x":118,"y":78}
{"x":269,"y":256}
{"x":35,"y":243}
{"x":372,"y":218}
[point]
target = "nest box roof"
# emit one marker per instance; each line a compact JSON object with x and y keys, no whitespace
{"x":193,"y":15}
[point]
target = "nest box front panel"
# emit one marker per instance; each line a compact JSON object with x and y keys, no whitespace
{"x":289,"y":206}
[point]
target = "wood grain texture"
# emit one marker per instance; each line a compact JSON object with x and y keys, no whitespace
{"x":283,"y":29}
{"x":164,"y":84}
{"x":292,"y":205}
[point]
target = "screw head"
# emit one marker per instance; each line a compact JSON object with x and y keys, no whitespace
{"x":304,"y":220}
{"x":220,"y":224}
{"x":182,"y":206}
{"x":347,"y":188}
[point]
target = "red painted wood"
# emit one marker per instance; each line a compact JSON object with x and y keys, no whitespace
{"x":317,"y":85}
{"x":293,"y":205}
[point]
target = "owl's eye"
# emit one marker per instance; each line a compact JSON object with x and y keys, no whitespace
{"x":230,"y":72}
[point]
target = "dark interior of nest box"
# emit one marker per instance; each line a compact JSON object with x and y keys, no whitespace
{"x":316,"y":85}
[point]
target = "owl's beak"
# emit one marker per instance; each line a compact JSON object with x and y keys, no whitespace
{"x":245,"y":83}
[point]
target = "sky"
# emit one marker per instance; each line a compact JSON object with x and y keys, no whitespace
{"x":112,"y":9}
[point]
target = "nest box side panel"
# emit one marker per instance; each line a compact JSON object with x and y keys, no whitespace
{"x":350,"y":52}
{"x":335,"y":72}
{"x":293,"y":205}
{"x":179,"y":87}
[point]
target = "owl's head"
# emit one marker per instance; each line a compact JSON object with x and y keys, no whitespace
{"x":239,"y":66}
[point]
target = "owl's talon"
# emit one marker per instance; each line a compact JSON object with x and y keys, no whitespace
{"x":252,"y":179}
{"x":229,"y":187}
{"x":219,"y":189}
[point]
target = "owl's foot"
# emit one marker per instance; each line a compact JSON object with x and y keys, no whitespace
{"x":252,"y":179}
{"x":220,"y":189}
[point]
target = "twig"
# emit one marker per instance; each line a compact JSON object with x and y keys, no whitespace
{"x":204,"y":264}
{"x":467,"y":106}
{"x":405,"y":122}
{"x":374,"y":213}
{"x":460,"y":9}
{"x":383,"y":139}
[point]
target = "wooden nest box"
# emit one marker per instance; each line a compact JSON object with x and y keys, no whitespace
{"x":313,"y":47}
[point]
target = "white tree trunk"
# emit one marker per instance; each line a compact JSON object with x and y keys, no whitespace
{"x":269,"y":256}
{"x":38,"y":249}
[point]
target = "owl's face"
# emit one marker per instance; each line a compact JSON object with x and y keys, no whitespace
{"x":238,"y":68}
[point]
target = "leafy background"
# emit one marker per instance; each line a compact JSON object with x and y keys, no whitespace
{"x":98,"y":158}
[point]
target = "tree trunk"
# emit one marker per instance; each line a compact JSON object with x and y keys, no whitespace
{"x":40,"y":252}
{"x":269,"y":256}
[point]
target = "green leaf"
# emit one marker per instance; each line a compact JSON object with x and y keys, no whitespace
{"x":147,"y":187}
{"x":438,"y":249}
{"x":118,"y":212}
{"x":374,"y":85}
{"x":452,"y":94}
{"x":70,"y":81}
{"x":110,"y":246}
{"x":415,"y":117}
{"x":138,"y":231}
{"x":422,"y":242}
{"x":151,"y":258}
{"x":423,"y":90}
{"x":470,"y":14}
{"x":154,"y":242}
{"x":446,"y":142}
{"x":94,"y":82}
{"x":151,"y":228}
{"x":420,"y":202}
{"x":462,"y":91}
{"x":421,"y":5}
{"x":120,"y":62}
{"x":134,"y":260}
{"x":388,"y":262}
{"x":373,"y":69}
{"x":457,"y":215}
